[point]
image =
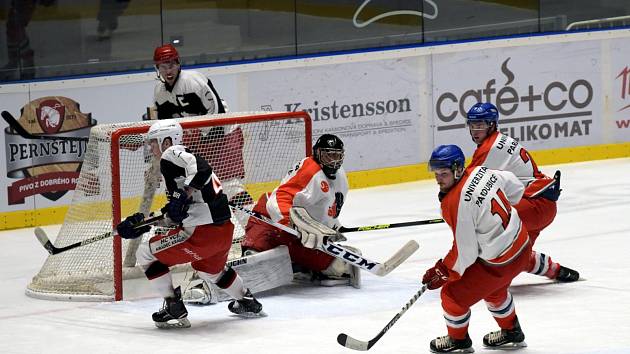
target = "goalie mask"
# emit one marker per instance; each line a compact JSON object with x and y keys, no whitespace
{"x":163,"y":129}
{"x":329,"y":153}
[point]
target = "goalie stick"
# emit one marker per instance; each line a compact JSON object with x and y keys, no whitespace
{"x":340,"y":252}
{"x":390,"y":226}
{"x":356,"y":344}
{"x":45,"y":241}
{"x":18,"y":128}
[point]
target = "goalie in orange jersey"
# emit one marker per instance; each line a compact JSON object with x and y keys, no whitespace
{"x":318,"y":184}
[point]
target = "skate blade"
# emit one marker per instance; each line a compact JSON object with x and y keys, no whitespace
{"x":334,"y":282}
{"x":181,"y":323}
{"x":250,"y":315}
{"x":465,"y":350}
{"x":508,"y":346}
{"x":199,"y":303}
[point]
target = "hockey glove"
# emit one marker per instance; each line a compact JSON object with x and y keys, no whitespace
{"x":313,"y":234}
{"x":553,"y":192}
{"x":127,"y":229}
{"x":177,"y":207}
{"x":436,"y":276}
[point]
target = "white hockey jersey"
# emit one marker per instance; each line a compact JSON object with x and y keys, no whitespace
{"x":180,"y":169}
{"x":485,"y":225}
{"x":307,"y":186}
{"x":501,"y":152}
{"x":192,"y":95}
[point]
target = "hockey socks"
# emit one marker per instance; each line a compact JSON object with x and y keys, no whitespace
{"x":541,"y":264}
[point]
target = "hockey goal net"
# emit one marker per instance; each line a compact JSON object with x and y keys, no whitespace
{"x":250,"y":153}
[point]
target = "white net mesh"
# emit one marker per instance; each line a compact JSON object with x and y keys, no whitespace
{"x":249,"y":155}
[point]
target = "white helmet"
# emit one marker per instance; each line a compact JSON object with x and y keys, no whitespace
{"x":163,"y":129}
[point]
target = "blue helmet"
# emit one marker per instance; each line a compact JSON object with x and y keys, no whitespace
{"x":483,"y":112}
{"x":447,"y":156}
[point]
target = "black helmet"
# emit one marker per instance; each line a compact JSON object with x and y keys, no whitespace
{"x":328,"y":152}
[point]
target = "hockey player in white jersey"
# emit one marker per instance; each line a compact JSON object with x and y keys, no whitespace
{"x":538,"y":206}
{"x":202,"y":234}
{"x":490,"y":247}
{"x":184,"y":93}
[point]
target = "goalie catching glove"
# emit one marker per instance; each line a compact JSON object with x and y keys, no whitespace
{"x":313,"y":234}
{"x":127,"y":229}
{"x":177,"y":207}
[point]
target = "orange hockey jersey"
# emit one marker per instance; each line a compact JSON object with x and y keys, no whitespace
{"x":479,"y":211}
{"x":501,"y":152}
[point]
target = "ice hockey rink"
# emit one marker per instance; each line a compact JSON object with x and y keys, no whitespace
{"x":589,"y":234}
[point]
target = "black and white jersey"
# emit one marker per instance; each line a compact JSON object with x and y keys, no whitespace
{"x":180,"y":169}
{"x":192,"y":95}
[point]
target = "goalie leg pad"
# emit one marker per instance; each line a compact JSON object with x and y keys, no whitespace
{"x":343,"y":273}
{"x":261,"y":271}
{"x":201,"y":293}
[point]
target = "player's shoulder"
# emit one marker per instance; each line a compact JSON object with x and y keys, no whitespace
{"x":474,"y":177}
{"x":341,"y":175}
{"x":193,"y":77}
{"x":309,"y":161}
{"x":504,"y":142}
{"x":306,"y":169}
{"x":174,"y":151}
{"x":159,"y":89}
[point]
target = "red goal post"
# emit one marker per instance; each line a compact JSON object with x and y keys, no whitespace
{"x":250,"y":152}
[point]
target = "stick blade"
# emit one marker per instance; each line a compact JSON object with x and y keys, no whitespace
{"x":399,"y":257}
{"x":351,"y":343}
{"x":43,"y":239}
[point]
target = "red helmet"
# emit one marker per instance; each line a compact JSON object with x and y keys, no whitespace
{"x":165,"y":53}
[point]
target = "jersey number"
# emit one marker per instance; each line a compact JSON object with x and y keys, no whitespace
{"x":216,"y":184}
{"x":504,"y":211}
{"x":526,"y":158}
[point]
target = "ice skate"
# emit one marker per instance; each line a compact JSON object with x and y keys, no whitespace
{"x":505,"y":338}
{"x":567,"y":275}
{"x":446,"y":344}
{"x":173,"y":314}
{"x":248,"y":306}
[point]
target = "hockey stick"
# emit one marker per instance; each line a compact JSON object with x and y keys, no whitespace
{"x":390,"y":226}
{"x":15,"y":125}
{"x":340,"y":252}
{"x":43,"y":238}
{"x":356,"y":344}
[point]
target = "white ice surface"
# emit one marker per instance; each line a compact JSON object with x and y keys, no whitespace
{"x":590,"y":233}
